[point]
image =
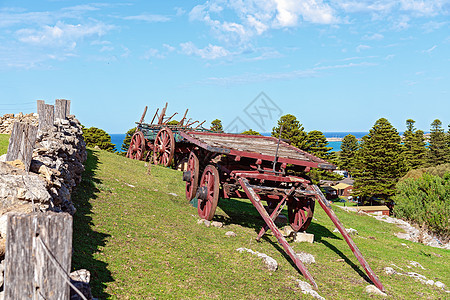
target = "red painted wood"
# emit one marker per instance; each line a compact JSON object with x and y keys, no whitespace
{"x":254,"y":198}
{"x":329,"y":211}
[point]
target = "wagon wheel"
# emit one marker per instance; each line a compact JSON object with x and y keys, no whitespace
{"x":208,"y":193}
{"x":137,"y":146}
{"x":164,"y":148}
{"x":300,"y":213}
{"x":192,"y":176}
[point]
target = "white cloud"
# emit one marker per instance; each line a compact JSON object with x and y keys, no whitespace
{"x":373,"y":37}
{"x":169,"y":47}
{"x":262,"y":77}
{"x":148,"y":18}
{"x":61,"y":34}
{"x":252,"y":18}
{"x":429,"y":50}
{"x":150,"y":53}
{"x":401,"y":23}
{"x":362,"y":47}
{"x":313,"y":11}
{"x":210,"y":52}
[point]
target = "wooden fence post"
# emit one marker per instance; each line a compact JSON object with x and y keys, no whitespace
{"x":21,"y":143}
{"x":62,"y":108}
{"x":46,"y":117}
{"x":40,"y":104}
{"x":30,"y":273}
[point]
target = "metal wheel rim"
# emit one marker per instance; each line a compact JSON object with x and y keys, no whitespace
{"x":137,"y":146}
{"x":210,"y":179}
{"x":300,"y":213}
{"x":192,"y":185}
{"x":164,"y":148}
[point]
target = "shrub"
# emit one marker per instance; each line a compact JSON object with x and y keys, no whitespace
{"x":425,"y":200}
{"x":98,"y":137}
{"x":439,"y":170}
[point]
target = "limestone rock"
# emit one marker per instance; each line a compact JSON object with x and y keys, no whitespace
{"x":303,"y":237}
{"x":270,"y":263}
{"x":307,"y":289}
{"x":230,"y":234}
{"x":306,"y":258}
{"x":217,"y":224}
{"x":371,"y":289}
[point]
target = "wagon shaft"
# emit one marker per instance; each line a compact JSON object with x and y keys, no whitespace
{"x":254,"y":198}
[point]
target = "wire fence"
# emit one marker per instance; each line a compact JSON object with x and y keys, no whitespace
{"x":25,"y":107}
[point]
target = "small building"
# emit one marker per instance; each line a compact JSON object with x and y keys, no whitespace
{"x":343,"y":189}
{"x":330,"y":193}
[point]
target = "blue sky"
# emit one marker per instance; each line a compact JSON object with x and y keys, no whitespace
{"x":336,"y":65}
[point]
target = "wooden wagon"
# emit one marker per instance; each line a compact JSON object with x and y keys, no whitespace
{"x":161,"y":140}
{"x":261,"y":169}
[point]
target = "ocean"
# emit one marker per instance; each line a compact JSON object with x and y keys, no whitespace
{"x":117,"y":138}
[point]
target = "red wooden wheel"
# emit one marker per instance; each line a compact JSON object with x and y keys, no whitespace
{"x":192,"y":176}
{"x":164,"y":148}
{"x":208,"y":193}
{"x":300,"y":212}
{"x":137,"y":146}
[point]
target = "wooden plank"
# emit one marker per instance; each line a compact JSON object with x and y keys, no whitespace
{"x":62,"y":108}
{"x":266,"y":147}
{"x":46,"y":117}
{"x":29,"y":271}
{"x":21,"y":143}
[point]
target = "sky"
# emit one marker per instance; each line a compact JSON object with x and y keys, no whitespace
{"x":336,"y":65}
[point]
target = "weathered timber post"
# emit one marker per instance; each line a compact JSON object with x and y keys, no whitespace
{"x":46,"y":116}
{"x":21,"y":143}
{"x":38,"y":256}
{"x":62,"y":108}
{"x":40,"y":104}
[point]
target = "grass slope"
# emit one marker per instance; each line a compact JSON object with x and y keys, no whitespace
{"x":139,"y":237}
{"x":4,"y":141}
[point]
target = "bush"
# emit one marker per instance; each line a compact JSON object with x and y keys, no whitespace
{"x":98,"y":137}
{"x":425,"y":200}
{"x":439,"y":170}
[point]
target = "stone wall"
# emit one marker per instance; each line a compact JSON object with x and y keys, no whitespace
{"x":8,"y":120}
{"x":56,"y":169}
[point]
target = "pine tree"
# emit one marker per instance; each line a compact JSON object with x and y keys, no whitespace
{"x":127,"y":140}
{"x":438,"y":147}
{"x":347,"y":157}
{"x":216,"y":126}
{"x":414,"y":142}
{"x":292,"y":130}
{"x":317,"y":144}
{"x":380,"y":162}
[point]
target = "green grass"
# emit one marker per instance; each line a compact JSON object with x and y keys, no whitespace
{"x":4,"y":141}
{"x":140,"y":242}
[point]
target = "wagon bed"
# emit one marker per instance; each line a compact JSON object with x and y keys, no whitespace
{"x":260,"y":147}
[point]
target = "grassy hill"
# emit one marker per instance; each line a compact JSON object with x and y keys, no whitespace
{"x":4,"y":141}
{"x":139,"y":237}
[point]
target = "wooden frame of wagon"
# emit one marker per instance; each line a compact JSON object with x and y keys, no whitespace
{"x":261,"y":169}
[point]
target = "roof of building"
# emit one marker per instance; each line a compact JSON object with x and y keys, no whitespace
{"x":341,"y":186}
